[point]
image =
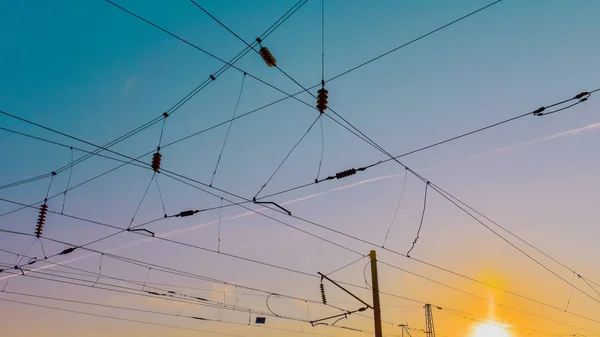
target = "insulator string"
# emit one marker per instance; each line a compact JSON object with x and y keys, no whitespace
{"x":323,"y":297}
{"x":266,"y":55}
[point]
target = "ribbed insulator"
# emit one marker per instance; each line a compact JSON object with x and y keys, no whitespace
{"x":156,"y":161}
{"x":266,"y":55}
{"x":345,"y":174}
{"x":322,"y":96}
{"x":39,"y":228}
{"x":323,"y":293}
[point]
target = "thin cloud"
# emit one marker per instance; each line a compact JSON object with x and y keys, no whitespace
{"x":572,"y":132}
{"x":130,"y":82}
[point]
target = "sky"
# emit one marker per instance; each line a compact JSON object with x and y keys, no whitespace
{"x":90,"y":70}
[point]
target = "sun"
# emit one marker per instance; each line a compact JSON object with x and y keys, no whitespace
{"x":488,"y":330}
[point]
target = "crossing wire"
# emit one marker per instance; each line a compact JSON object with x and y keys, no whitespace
{"x":295,"y":8}
{"x":287,"y":156}
{"x":343,"y":233}
{"x":175,"y":107}
{"x":369,"y":141}
{"x":438,"y":191}
{"x":137,"y":262}
{"x":360,"y":240}
{"x":447,"y":140}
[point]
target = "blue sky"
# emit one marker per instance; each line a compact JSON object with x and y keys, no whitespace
{"x":92,"y":71}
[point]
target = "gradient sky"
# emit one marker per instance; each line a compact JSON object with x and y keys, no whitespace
{"x":95,"y":72}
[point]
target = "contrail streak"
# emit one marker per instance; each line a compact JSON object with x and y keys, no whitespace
{"x":571,"y":132}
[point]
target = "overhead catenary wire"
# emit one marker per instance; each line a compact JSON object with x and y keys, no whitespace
{"x":179,"y":104}
{"x":478,"y":281}
{"x":580,"y":97}
{"x":157,"y":312}
{"x":287,"y":15}
{"x":308,"y":274}
{"x":155,"y":294}
{"x":475,"y":280}
{"x":395,"y":158}
{"x":337,"y":76}
{"x":488,"y":300}
{"x":117,"y":318}
{"x":164,"y":291}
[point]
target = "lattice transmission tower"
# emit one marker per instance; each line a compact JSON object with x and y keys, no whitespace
{"x":429,"y":329}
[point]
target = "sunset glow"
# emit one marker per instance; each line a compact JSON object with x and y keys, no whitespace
{"x":489,"y":330}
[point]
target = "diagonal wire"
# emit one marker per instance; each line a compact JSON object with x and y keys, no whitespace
{"x":162,"y":202}
{"x":142,"y":201}
{"x":322,"y":148}
{"x":287,"y":156}
{"x":346,"y":265}
{"x":175,"y":107}
{"x":586,"y":282}
{"x":387,"y":233}
{"x":228,"y":129}
{"x":413,"y":40}
{"x":570,"y":293}
{"x":68,"y":183}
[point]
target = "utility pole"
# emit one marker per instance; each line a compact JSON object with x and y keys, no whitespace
{"x":375,"y":286}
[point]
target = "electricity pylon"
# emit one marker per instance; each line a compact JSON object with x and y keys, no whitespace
{"x":429,"y":329}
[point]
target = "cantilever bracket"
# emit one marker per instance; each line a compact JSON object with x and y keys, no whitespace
{"x":347,"y":291}
{"x":272,"y":203}
{"x":140,"y":230}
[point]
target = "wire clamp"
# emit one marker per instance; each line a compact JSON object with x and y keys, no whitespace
{"x":140,"y":230}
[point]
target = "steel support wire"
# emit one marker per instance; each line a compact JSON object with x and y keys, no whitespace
{"x":179,"y":104}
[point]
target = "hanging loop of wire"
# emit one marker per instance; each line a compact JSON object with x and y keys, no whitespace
{"x":421,"y":222}
{"x":267,"y":304}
